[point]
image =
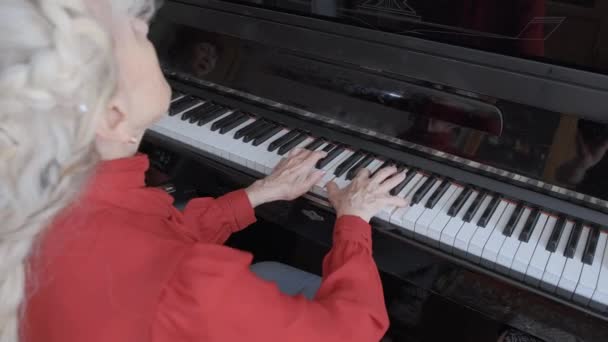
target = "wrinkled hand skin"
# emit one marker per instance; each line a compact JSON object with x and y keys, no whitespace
{"x":291,"y":178}
{"x":365,"y":196}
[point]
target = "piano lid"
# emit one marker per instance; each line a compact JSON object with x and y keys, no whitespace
{"x":559,"y":149}
{"x":531,"y":29}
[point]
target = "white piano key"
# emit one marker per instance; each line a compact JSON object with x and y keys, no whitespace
{"x":221,"y":143}
{"x":590,"y":274}
{"x":541,"y":255}
{"x":271,"y":159}
{"x":201,"y":135}
{"x":236,"y":147}
{"x":449,"y":233}
{"x":263,"y":157}
{"x":599,"y":301}
{"x":253,"y":154}
{"x":468,"y":229}
{"x":511,"y":245}
{"x":412,"y":215}
{"x":526,"y":249}
{"x":424,"y":221}
{"x":373,"y":166}
{"x":574,"y":266}
{"x":441,"y":220}
{"x":557,"y":261}
{"x":408,"y":191}
{"x":496,"y":239}
{"x":481,"y":236}
{"x":265,"y":161}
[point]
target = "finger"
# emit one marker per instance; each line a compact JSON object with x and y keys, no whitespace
{"x":298,"y":158}
{"x":395,"y":201}
{"x":312,"y":159}
{"x":362,"y":174}
{"x":295,"y":152}
{"x":332,"y":189}
{"x":314,"y":178}
{"x":383,"y":174}
{"x":392,"y":182}
{"x":279,"y":165}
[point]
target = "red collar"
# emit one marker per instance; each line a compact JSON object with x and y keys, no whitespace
{"x":125,"y":173}
{"x":121,"y":182}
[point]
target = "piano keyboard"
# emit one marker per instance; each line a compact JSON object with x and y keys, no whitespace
{"x":556,"y":254}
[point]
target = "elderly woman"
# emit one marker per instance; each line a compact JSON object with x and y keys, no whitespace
{"x":90,"y":254}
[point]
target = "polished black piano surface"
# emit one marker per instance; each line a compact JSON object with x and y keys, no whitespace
{"x":497,"y":110}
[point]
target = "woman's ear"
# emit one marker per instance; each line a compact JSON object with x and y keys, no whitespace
{"x":113,"y":125}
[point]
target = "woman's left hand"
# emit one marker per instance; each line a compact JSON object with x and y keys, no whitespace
{"x":291,"y":178}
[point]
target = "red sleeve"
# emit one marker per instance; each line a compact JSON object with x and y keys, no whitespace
{"x":213,"y":296}
{"x":214,"y":220}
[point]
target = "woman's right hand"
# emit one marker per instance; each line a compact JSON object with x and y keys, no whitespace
{"x":365,"y":196}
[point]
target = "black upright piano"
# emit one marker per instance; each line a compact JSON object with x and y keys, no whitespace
{"x":497,"y":110}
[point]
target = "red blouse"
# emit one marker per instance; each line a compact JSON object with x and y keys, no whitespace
{"x":122,"y":264}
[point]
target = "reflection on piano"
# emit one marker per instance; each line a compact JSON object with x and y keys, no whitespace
{"x":505,"y":157}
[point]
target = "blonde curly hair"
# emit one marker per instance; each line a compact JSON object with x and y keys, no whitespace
{"x":57,"y":74}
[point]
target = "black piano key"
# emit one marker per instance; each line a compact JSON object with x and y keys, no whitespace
{"x":201,"y":112}
{"x":513,"y":220}
{"x":468,"y":216}
{"x":348,"y":163}
{"x":268,"y":133}
{"x":315,"y":144}
{"x":234,"y":124}
{"x":331,"y":155}
{"x":329,"y":147}
{"x":436,"y":196}
{"x":175,"y":95}
{"x":360,"y":165}
{"x":575,"y":234}
{"x":182,"y":104}
{"x":591,"y":245}
{"x":487,"y":214}
{"x":192,"y":115}
{"x":247,"y":129}
{"x":212,"y":115}
{"x":556,"y":235}
{"x":423,"y":190}
{"x":528,"y":228}
{"x":292,"y":143}
{"x":196,"y":111}
{"x":210,"y":110}
{"x":460,"y":201}
{"x":254,"y":134}
{"x":411,"y":173}
{"x":225,"y":120}
{"x":283,"y":140}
